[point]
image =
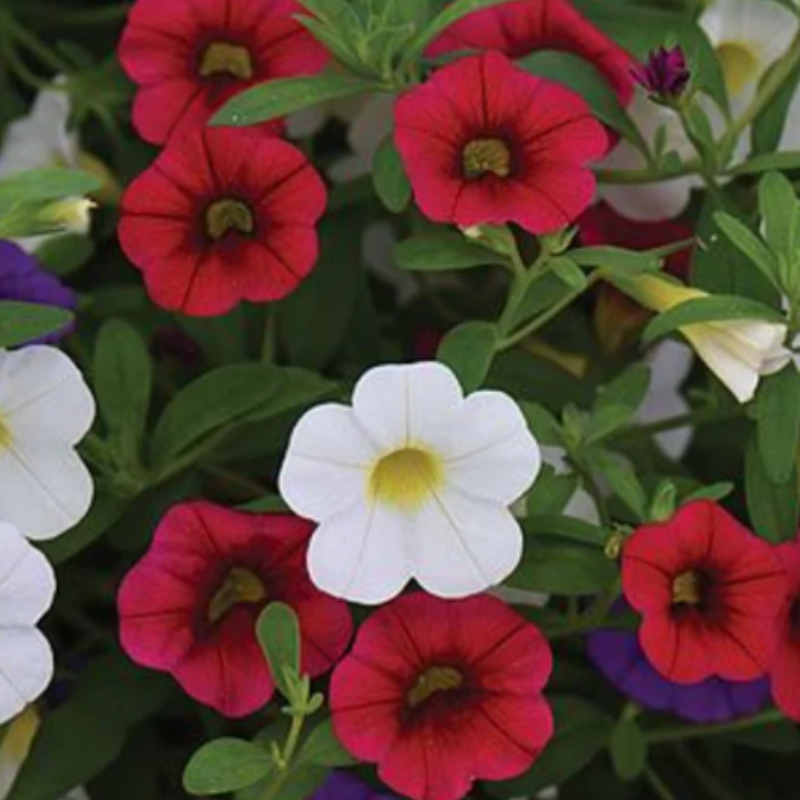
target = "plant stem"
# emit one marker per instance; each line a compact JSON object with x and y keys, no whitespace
{"x":32,"y":44}
{"x":709,"y":781}
{"x":647,"y":174}
{"x":660,"y":788}
{"x":700,"y":416}
{"x":289,"y":750}
{"x":682,"y":732}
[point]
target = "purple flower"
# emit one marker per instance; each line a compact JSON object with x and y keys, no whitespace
{"x":24,"y":281}
{"x":618,"y":655}
{"x":341,"y":786}
{"x":665,"y":74}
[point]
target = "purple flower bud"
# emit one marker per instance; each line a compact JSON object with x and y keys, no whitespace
{"x":665,"y":74}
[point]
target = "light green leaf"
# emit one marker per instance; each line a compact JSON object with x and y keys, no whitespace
{"x":21,"y":323}
{"x":780,"y":211}
{"x":551,"y":493}
{"x":282,"y":96}
{"x":468,"y":350}
{"x":324,"y":749}
{"x":748,"y":243}
{"x":278,"y":631}
{"x":569,"y":272}
{"x":443,"y":251}
{"x":779,"y":423}
{"x":389,"y":175}
{"x":38,"y":185}
{"x":774,"y":508}
{"x":616,"y":261}
{"x":226,"y":765}
{"x":785,"y":161}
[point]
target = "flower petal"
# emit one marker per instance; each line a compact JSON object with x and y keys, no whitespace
{"x":26,"y":667}
{"x":27,"y":581}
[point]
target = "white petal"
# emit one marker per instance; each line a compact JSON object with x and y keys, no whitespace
{"x":43,"y":394}
{"x":360,"y":555}
{"x":406,"y":404}
{"x":463,"y":546}
{"x":27,"y":581}
{"x":44,"y":487}
{"x":326,"y":466}
{"x":650,"y":201}
{"x":488,"y":451}
{"x":26,"y":668}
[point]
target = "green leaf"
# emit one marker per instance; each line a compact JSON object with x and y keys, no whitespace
{"x":618,"y":402}
{"x":278,"y":631}
{"x":628,"y":750}
{"x":443,"y":251}
{"x":21,"y":323}
{"x":324,"y":749}
{"x":779,"y":423}
{"x":38,"y":185}
{"x":617,"y":262}
{"x":780,"y":211}
{"x":620,"y":475}
{"x":541,"y":521}
{"x":468,"y":350}
{"x":551,"y":493}
{"x":569,"y":272}
{"x":123,"y":380}
{"x":774,"y":508}
{"x":769,"y":124}
{"x":779,"y":737}
{"x":748,"y":243}
{"x":226,"y":765}
{"x":282,"y":96}
{"x":785,"y":161}
{"x":582,"y":730}
{"x":63,"y":255}
{"x":227,"y":397}
{"x":391,"y":182}
{"x":716,"y":308}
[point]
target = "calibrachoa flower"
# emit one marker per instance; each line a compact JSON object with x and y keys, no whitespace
{"x":341,"y":786}
{"x":785,"y":668}
{"x":45,"y":410}
{"x":27,"y":587}
{"x":190,"y":56}
{"x":23,"y":280}
{"x":523,"y":27}
{"x":223,"y":215}
{"x":619,"y":656}
{"x":440,"y":693}
{"x":413,"y":481}
{"x":485,"y":142}
{"x":709,"y":592}
{"x":189,"y":607}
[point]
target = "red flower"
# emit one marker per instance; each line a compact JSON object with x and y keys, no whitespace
{"x":486,"y":143}
{"x":190,"y":56}
{"x":189,"y":607}
{"x":439,"y":693}
{"x":709,"y":592}
{"x":785,"y":672}
{"x":520,"y":28}
{"x":223,"y":215}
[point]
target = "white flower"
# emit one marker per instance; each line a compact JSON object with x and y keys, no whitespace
{"x":413,"y":481}
{"x":27,"y":587}
{"x":45,"y":410}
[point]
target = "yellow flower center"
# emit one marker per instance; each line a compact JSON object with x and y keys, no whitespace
{"x":226,"y":215}
{"x":487,"y":155}
{"x":240,"y":586}
{"x":223,"y":57}
{"x":436,"y":679}
{"x":687,"y":589}
{"x":740,"y":64}
{"x":406,"y":478}
{"x":5,"y":435}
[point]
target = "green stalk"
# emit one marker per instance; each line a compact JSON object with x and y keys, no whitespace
{"x":682,"y":732}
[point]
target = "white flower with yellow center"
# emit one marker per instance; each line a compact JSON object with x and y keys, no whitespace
{"x":27,"y":587}
{"x":413,"y":481}
{"x":45,"y":410}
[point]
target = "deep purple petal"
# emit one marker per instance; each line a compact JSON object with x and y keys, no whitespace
{"x":341,"y":786}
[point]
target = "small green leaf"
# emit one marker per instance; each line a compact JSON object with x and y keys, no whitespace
{"x":544,"y":426}
{"x":620,"y":475}
{"x":774,"y":508}
{"x":779,"y":423}
{"x":569,"y":272}
{"x":628,"y":750}
{"x":618,"y":402}
{"x":324,"y":749}
{"x":616,"y":261}
{"x":468,"y":350}
{"x":542,"y":522}
{"x":780,"y":211}
{"x":38,"y":185}
{"x":787,"y":160}
{"x":389,"y":175}
{"x":551,"y":492}
{"x":716,"y":308}
{"x":226,"y":765}
{"x":21,"y":323}
{"x":282,"y":96}
{"x":748,"y":243}
{"x":278,"y":631}
{"x":443,"y":251}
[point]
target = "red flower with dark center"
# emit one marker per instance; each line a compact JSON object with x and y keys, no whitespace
{"x":190,"y":56}
{"x":189,"y":607}
{"x":486,"y":143}
{"x":709,"y":592}
{"x":520,"y":28}
{"x":439,"y":693}
{"x":223,"y":215}
{"x":785,"y":672}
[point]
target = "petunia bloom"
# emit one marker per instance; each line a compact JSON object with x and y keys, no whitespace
{"x":440,"y":693}
{"x":709,"y":592}
{"x":485,"y":142}
{"x":413,"y":481}
{"x":27,"y":587}
{"x":190,"y":605}
{"x":619,"y":656}
{"x":189,"y":57}
{"x":223,"y":215}
{"x":46,"y":408}
{"x":520,"y":28}
{"x":23,"y":280}
{"x":785,"y":668}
